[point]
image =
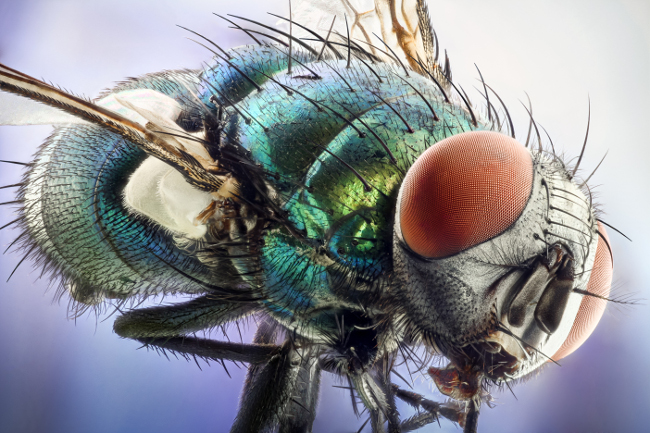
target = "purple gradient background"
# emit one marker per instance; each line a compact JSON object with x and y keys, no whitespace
{"x":59,"y":375}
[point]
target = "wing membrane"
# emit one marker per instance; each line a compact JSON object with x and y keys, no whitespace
{"x":403,"y":25}
{"x":149,"y":140}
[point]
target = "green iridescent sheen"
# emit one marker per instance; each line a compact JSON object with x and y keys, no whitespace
{"x":335,"y":152}
{"x":337,"y":182}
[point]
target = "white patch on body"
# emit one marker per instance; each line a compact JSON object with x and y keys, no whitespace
{"x":156,"y":190}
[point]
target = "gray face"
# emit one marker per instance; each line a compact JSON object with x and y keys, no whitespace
{"x":505,"y":306}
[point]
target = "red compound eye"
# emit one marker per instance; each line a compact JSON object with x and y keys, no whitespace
{"x":591,"y":308}
{"x":462,"y":191}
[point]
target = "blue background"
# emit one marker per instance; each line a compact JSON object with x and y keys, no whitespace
{"x":66,"y":375}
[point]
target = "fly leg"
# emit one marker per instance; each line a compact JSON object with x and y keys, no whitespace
{"x":377,"y":421}
{"x":198,"y":314}
{"x":375,"y":391}
{"x":211,"y":350}
{"x":432,"y":410}
{"x":283,"y":380}
{"x":382,"y":369}
{"x":266,"y":396}
{"x":301,"y":411}
{"x":165,"y":327}
{"x":471,"y":420}
{"x":282,"y":391}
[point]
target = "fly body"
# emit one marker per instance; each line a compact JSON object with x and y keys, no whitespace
{"x":341,"y":190}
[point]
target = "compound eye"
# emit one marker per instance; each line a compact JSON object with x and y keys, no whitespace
{"x":591,"y":308}
{"x":463,"y":191}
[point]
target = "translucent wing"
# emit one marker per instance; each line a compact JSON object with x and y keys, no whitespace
{"x":389,"y":29}
{"x":148,"y":137}
{"x":92,"y":160}
{"x":17,"y":110}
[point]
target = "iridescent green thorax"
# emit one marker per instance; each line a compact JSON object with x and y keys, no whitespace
{"x":335,"y":152}
{"x":332,"y":145}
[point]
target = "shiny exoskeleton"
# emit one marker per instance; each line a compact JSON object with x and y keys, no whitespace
{"x":358,"y":207}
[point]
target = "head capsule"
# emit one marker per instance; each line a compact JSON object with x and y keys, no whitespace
{"x":497,"y":252}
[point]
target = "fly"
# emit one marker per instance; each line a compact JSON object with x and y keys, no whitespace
{"x":262,"y":233}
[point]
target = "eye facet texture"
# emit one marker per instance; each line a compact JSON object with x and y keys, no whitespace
{"x":591,"y":308}
{"x":462,"y":191}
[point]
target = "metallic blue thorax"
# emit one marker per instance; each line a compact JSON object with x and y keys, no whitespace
{"x":338,"y":150}
{"x":334,"y":143}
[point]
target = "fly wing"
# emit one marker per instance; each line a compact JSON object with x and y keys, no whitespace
{"x":75,"y":205}
{"x":389,"y":29}
{"x":149,"y":137}
{"x":17,"y":110}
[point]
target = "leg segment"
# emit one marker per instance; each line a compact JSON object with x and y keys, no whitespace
{"x":163,"y":328}
{"x":267,"y":392}
{"x":283,"y":391}
{"x":451,"y":410}
{"x":301,"y":411}
{"x":212,"y":350}
{"x":198,"y":314}
{"x":382,"y":370}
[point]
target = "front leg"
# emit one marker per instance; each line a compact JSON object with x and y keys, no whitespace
{"x":283,"y":392}
{"x":382,"y":370}
{"x":451,"y":410}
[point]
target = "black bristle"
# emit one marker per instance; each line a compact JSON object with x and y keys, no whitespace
{"x":594,"y":170}
{"x":15,"y":185}
{"x":347,"y":28}
{"x":534,"y":124}
{"x":511,"y":126}
{"x":467,"y":104}
{"x":249,"y":79}
{"x":266,"y":35}
{"x":408,"y":127}
{"x":325,"y":41}
{"x":11,"y":223}
{"x":237,"y":26}
{"x":225,"y":53}
{"x":487,"y":96}
{"x":25,"y":164}
{"x":584,"y":145}
{"x":366,"y":185}
{"x":435,"y":116}
{"x":444,"y":94}
{"x":290,"y":39}
{"x":382,"y":142}
{"x":394,"y":55}
{"x":294,"y":39}
{"x":614,"y":228}
{"x":21,"y":261}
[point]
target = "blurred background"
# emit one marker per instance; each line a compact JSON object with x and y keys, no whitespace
{"x":64,"y":375}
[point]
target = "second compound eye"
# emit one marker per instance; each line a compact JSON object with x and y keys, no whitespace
{"x":463,"y":191}
{"x":592,"y":307}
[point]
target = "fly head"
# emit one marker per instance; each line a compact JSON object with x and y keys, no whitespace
{"x":500,"y":262}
